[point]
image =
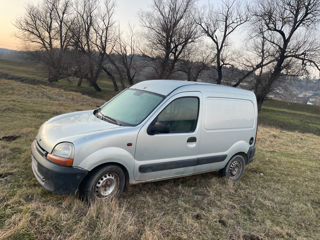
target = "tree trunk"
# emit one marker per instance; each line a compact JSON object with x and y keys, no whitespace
{"x":93,"y":82}
{"x":263,"y":85}
{"x":165,"y":69}
{"x":123,"y":86}
{"x":198,"y":71}
{"x":129,"y":77}
{"x":189,"y":74}
{"x":260,"y":99}
{"x":80,"y":81}
{"x":95,"y":86}
{"x":115,"y":85}
{"x":53,"y":75}
{"x":219,"y":70}
{"x":219,"y":67}
{"x":119,"y":72}
{"x":260,"y":89}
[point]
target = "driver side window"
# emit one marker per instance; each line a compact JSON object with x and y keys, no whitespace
{"x":180,"y":116}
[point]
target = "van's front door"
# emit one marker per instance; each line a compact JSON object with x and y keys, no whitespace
{"x":167,"y":145}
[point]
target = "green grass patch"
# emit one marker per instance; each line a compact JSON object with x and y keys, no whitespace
{"x":291,"y":116}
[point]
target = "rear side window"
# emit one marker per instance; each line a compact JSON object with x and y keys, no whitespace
{"x":181,"y":115}
{"x":225,"y":113}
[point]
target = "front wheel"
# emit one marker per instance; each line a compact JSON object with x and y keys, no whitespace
{"x":235,"y":168}
{"x":104,"y":183}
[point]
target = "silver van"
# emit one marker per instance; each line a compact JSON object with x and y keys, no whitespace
{"x":151,"y":131}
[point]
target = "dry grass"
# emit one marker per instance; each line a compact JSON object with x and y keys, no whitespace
{"x":277,"y":198}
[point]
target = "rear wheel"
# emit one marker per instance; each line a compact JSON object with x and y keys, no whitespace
{"x":104,"y":183}
{"x":235,"y":167}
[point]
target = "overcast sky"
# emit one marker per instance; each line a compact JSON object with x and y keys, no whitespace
{"x":126,"y":12}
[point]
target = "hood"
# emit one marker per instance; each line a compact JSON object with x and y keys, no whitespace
{"x":70,"y":126}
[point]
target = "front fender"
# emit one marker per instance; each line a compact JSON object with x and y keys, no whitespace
{"x":109,"y":155}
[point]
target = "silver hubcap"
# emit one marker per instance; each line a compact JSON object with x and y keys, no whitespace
{"x":107,"y":185}
{"x":235,"y":169}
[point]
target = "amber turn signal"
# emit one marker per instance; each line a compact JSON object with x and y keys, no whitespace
{"x":60,"y":160}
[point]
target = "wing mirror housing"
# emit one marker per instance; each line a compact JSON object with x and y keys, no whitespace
{"x":158,"y":127}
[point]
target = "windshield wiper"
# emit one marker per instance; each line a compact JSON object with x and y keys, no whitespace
{"x":110,"y":119}
{"x":99,"y":115}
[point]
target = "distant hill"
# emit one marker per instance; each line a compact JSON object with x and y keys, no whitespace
{"x":290,"y":89}
{"x":9,"y":54}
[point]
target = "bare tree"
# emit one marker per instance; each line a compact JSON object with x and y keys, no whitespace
{"x":288,"y":40}
{"x":92,"y":36}
{"x":170,"y":29}
{"x":195,"y":60}
{"x":117,"y":68}
{"x":126,"y":50}
{"x":218,"y":25}
{"x":111,"y":76}
{"x":260,"y":58}
{"x":47,"y":27}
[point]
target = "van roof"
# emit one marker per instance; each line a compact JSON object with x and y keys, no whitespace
{"x":165,"y":87}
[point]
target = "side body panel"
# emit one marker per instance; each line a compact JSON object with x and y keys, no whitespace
{"x":229,"y":124}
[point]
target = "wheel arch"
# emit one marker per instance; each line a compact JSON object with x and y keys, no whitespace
{"x":240,"y":147}
{"x":243,"y":154}
{"x":97,"y":168}
{"x":107,"y":156}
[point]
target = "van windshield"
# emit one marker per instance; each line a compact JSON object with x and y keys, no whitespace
{"x":130,"y":107}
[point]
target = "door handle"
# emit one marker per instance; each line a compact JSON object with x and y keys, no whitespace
{"x":191,"y":139}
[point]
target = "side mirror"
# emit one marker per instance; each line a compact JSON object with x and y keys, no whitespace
{"x":157,"y":127}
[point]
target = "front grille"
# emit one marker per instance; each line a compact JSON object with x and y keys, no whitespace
{"x":40,"y":150}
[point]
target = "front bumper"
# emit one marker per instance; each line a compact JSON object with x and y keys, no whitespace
{"x":55,"y":178}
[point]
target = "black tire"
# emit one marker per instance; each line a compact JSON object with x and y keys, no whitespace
{"x":104,"y":183}
{"x":235,"y":167}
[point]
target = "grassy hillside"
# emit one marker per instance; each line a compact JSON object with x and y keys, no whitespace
{"x":277,"y":198}
{"x":36,"y":74}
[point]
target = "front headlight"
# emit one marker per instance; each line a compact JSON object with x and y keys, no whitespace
{"x":62,"y":154}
